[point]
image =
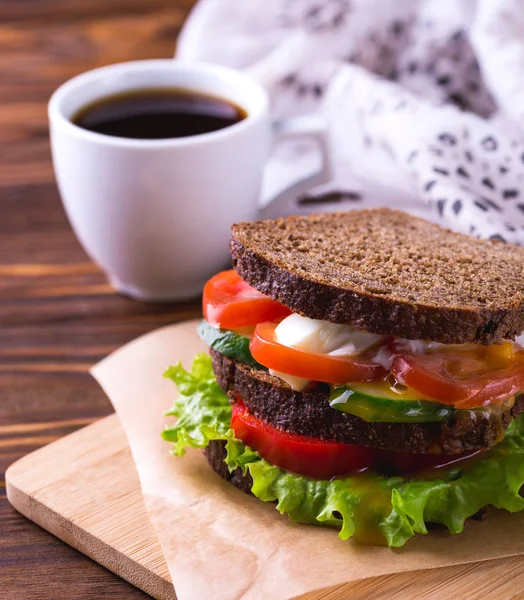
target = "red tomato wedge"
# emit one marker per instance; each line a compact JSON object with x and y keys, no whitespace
{"x":320,"y":459}
{"x":230,"y":303}
{"x":463,"y":379}
{"x":317,"y":367}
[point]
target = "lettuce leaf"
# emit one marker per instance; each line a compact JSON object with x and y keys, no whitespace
{"x":202,"y":407}
{"x":369,"y":507}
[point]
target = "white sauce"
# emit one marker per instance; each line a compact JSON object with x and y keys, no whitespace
{"x":322,"y":337}
{"x":384,"y":357}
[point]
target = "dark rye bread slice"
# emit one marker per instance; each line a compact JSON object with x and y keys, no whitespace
{"x":386,"y":272}
{"x":216,"y":453}
{"x":308,"y":413}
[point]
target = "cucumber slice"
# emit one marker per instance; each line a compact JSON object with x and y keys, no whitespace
{"x":378,"y":403}
{"x":228,"y":343}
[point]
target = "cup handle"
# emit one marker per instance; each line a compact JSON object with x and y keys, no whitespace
{"x":311,"y":127}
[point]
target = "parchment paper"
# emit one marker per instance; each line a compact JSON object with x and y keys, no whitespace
{"x":220,"y":543}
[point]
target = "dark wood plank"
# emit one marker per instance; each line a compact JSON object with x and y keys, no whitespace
{"x":35,"y":56}
{"x":58,"y":316}
{"x":36,"y":566}
{"x":72,"y":10}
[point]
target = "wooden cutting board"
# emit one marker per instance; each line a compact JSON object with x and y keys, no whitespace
{"x":85,"y":490}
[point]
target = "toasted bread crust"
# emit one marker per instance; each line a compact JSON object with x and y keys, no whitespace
{"x":386,"y":272}
{"x":308,"y":413}
{"x":216,"y":454}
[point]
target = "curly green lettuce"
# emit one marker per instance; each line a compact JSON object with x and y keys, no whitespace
{"x":369,"y":507}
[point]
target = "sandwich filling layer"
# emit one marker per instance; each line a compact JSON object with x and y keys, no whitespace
{"x":369,"y":506}
{"x":375,"y":377}
{"x":309,"y":413}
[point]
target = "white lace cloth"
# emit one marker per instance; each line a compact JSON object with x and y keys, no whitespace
{"x":424,"y":98}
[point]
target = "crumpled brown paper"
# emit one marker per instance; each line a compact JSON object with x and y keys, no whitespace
{"x":220,"y":543}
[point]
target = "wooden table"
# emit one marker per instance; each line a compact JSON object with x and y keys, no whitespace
{"x":58,"y":316}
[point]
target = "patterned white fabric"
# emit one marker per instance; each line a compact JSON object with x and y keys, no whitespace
{"x":425,"y":97}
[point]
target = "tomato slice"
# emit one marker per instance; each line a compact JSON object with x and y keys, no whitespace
{"x":308,"y":365}
{"x":320,"y":459}
{"x":296,"y":453}
{"x":467,"y":379}
{"x":230,"y":303}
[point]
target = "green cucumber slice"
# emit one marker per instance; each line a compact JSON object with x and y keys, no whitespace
{"x":378,"y":404}
{"x":228,"y":343}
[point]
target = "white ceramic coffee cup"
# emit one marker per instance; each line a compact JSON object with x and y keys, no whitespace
{"x":156,"y":214}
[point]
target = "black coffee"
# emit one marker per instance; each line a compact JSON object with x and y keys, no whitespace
{"x":159,"y":113}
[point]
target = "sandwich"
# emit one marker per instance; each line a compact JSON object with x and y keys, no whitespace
{"x":364,"y":373}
